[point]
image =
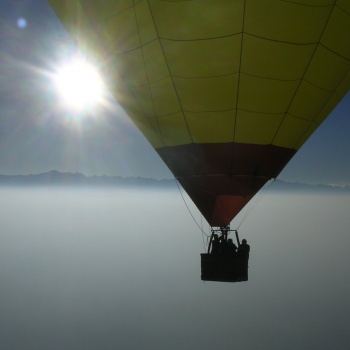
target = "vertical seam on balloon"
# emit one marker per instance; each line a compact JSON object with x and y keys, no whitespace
{"x":230,"y":170}
{"x":237,"y":94}
{"x":148,"y":82}
{"x":302,"y":79}
{"x":239,"y":74}
{"x":170,"y":75}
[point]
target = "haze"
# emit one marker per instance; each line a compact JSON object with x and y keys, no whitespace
{"x":120,"y":269}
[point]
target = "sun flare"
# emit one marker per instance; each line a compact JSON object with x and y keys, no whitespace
{"x":79,"y":84}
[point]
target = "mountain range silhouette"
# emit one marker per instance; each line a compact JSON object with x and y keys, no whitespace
{"x":57,"y":178}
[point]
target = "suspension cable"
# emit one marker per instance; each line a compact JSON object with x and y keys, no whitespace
{"x":255,"y":202}
{"x":189,"y":210}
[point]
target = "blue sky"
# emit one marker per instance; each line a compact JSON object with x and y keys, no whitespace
{"x":37,"y":134}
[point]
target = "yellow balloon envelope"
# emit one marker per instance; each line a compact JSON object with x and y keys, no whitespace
{"x":226,"y":91}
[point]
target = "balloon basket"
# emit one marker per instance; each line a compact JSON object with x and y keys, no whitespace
{"x":220,"y":268}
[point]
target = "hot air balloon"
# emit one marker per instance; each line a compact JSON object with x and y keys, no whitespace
{"x":226,"y":91}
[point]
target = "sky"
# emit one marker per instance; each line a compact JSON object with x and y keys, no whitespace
{"x":37,"y":134}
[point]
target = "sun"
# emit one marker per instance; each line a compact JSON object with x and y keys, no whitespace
{"x":79,"y":84}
